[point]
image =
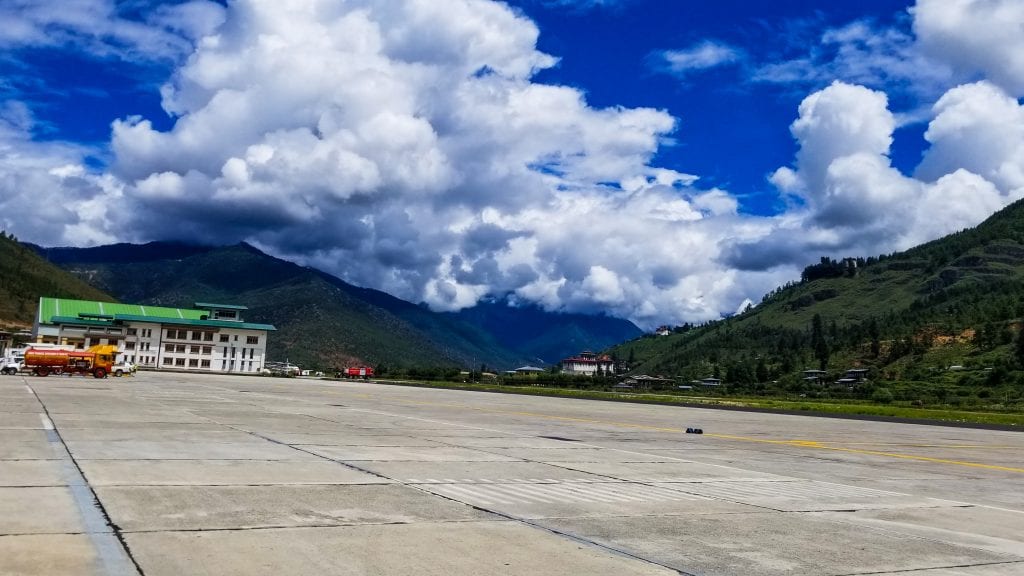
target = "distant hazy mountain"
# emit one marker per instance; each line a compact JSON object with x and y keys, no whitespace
{"x":323,"y":321}
{"x":547,"y":337}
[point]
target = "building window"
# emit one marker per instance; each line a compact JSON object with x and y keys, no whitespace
{"x":194,"y":349}
{"x":204,"y":363}
{"x":252,"y":339}
{"x":168,"y":361}
{"x":147,"y":332}
{"x":224,"y":337}
{"x":129,"y":345}
{"x":207,"y":336}
{"x":169,"y":348}
{"x":133,"y":331}
{"x":179,"y":361}
{"x":193,"y":363}
{"x":207,"y":350}
{"x":180,"y":348}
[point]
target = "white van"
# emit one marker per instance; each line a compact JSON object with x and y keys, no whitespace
{"x":11,"y":366}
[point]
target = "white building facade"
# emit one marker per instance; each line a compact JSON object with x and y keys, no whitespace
{"x":588,"y":364}
{"x":207,"y":338}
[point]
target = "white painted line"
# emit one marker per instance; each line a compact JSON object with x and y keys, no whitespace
{"x":47,"y":423}
{"x":29,"y":390}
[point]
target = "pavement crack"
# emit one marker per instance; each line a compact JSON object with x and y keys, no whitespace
{"x":84,"y":495}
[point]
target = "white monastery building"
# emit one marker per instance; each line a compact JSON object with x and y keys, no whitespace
{"x":588,"y":364}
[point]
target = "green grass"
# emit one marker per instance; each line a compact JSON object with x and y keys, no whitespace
{"x":991,"y":417}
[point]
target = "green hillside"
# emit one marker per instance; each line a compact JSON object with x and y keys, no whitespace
{"x":937,"y":323}
{"x":24,"y":277}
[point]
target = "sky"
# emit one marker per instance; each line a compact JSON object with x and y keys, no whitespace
{"x":661,"y":161}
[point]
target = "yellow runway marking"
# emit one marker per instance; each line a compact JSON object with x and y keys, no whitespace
{"x":822,"y":446}
{"x":797,"y":443}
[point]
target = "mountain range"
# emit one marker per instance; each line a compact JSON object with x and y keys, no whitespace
{"x":940,"y":319}
{"x":325,"y":322}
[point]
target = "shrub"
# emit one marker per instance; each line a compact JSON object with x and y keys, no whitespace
{"x":882,"y":396}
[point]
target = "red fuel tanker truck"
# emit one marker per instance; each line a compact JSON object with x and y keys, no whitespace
{"x":96,"y":360}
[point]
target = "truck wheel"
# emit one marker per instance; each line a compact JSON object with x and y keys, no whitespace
{"x":42,"y":372}
{"x":118,"y":373}
{"x":99,"y":373}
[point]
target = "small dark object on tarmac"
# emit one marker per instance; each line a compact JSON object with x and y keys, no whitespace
{"x":694,"y":431}
{"x":689,"y":430}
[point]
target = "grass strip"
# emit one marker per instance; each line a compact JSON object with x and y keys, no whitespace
{"x":1002,"y":420}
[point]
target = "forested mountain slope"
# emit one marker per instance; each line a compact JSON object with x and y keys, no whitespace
{"x":906,"y":317}
{"x":24,"y":277}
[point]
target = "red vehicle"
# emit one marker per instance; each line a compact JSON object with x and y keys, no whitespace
{"x":97,"y":361}
{"x":358,"y":372}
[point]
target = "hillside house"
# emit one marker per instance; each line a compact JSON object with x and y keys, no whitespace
{"x":527,"y":370}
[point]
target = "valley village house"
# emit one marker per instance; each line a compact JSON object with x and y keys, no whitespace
{"x":207,"y":338}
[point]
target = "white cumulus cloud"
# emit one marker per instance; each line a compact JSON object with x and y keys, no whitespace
{"x":978,"y":37}
{"x":407,"y":146}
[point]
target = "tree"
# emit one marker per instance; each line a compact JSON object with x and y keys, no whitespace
{"x":875,"y":333}
{"x":1019,"y":350}
{"x":762,"y":370}
{"x":818,"y":343}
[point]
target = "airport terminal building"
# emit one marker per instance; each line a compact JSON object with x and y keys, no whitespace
{"x":207,"y":338}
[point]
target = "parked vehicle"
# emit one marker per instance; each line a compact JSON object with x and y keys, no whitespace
{"x":97,"y":360}
{"x":125,"y":368}
{"x":11,"y":366}
{"x":358,"y":372}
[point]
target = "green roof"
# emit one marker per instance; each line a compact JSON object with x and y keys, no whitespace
{"x":219,"y":306}
{"x":66,"y":311}
{"x":50,"y":307}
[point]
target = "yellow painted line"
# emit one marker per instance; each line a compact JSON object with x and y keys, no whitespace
{"x":797,"y":443}
{"x":821,"y":446}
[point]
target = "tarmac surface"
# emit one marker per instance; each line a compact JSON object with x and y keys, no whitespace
{"x":172,"y":474}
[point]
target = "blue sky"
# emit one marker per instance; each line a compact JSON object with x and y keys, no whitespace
{"x":612,"y":53}
{"x":659,"y":161}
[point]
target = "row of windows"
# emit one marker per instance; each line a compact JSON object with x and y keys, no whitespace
{"x":192,"y":362}
{"x":251,"y":351}
{"x":207,"y":336}
{"x":182,"y":348}
{"x":142,"y":346}
{"x":242,"y":366}
{"x":197,"y":335}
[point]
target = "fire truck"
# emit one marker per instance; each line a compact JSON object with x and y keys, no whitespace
{"x":358,"y":372}
{"x":96,"y":360}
